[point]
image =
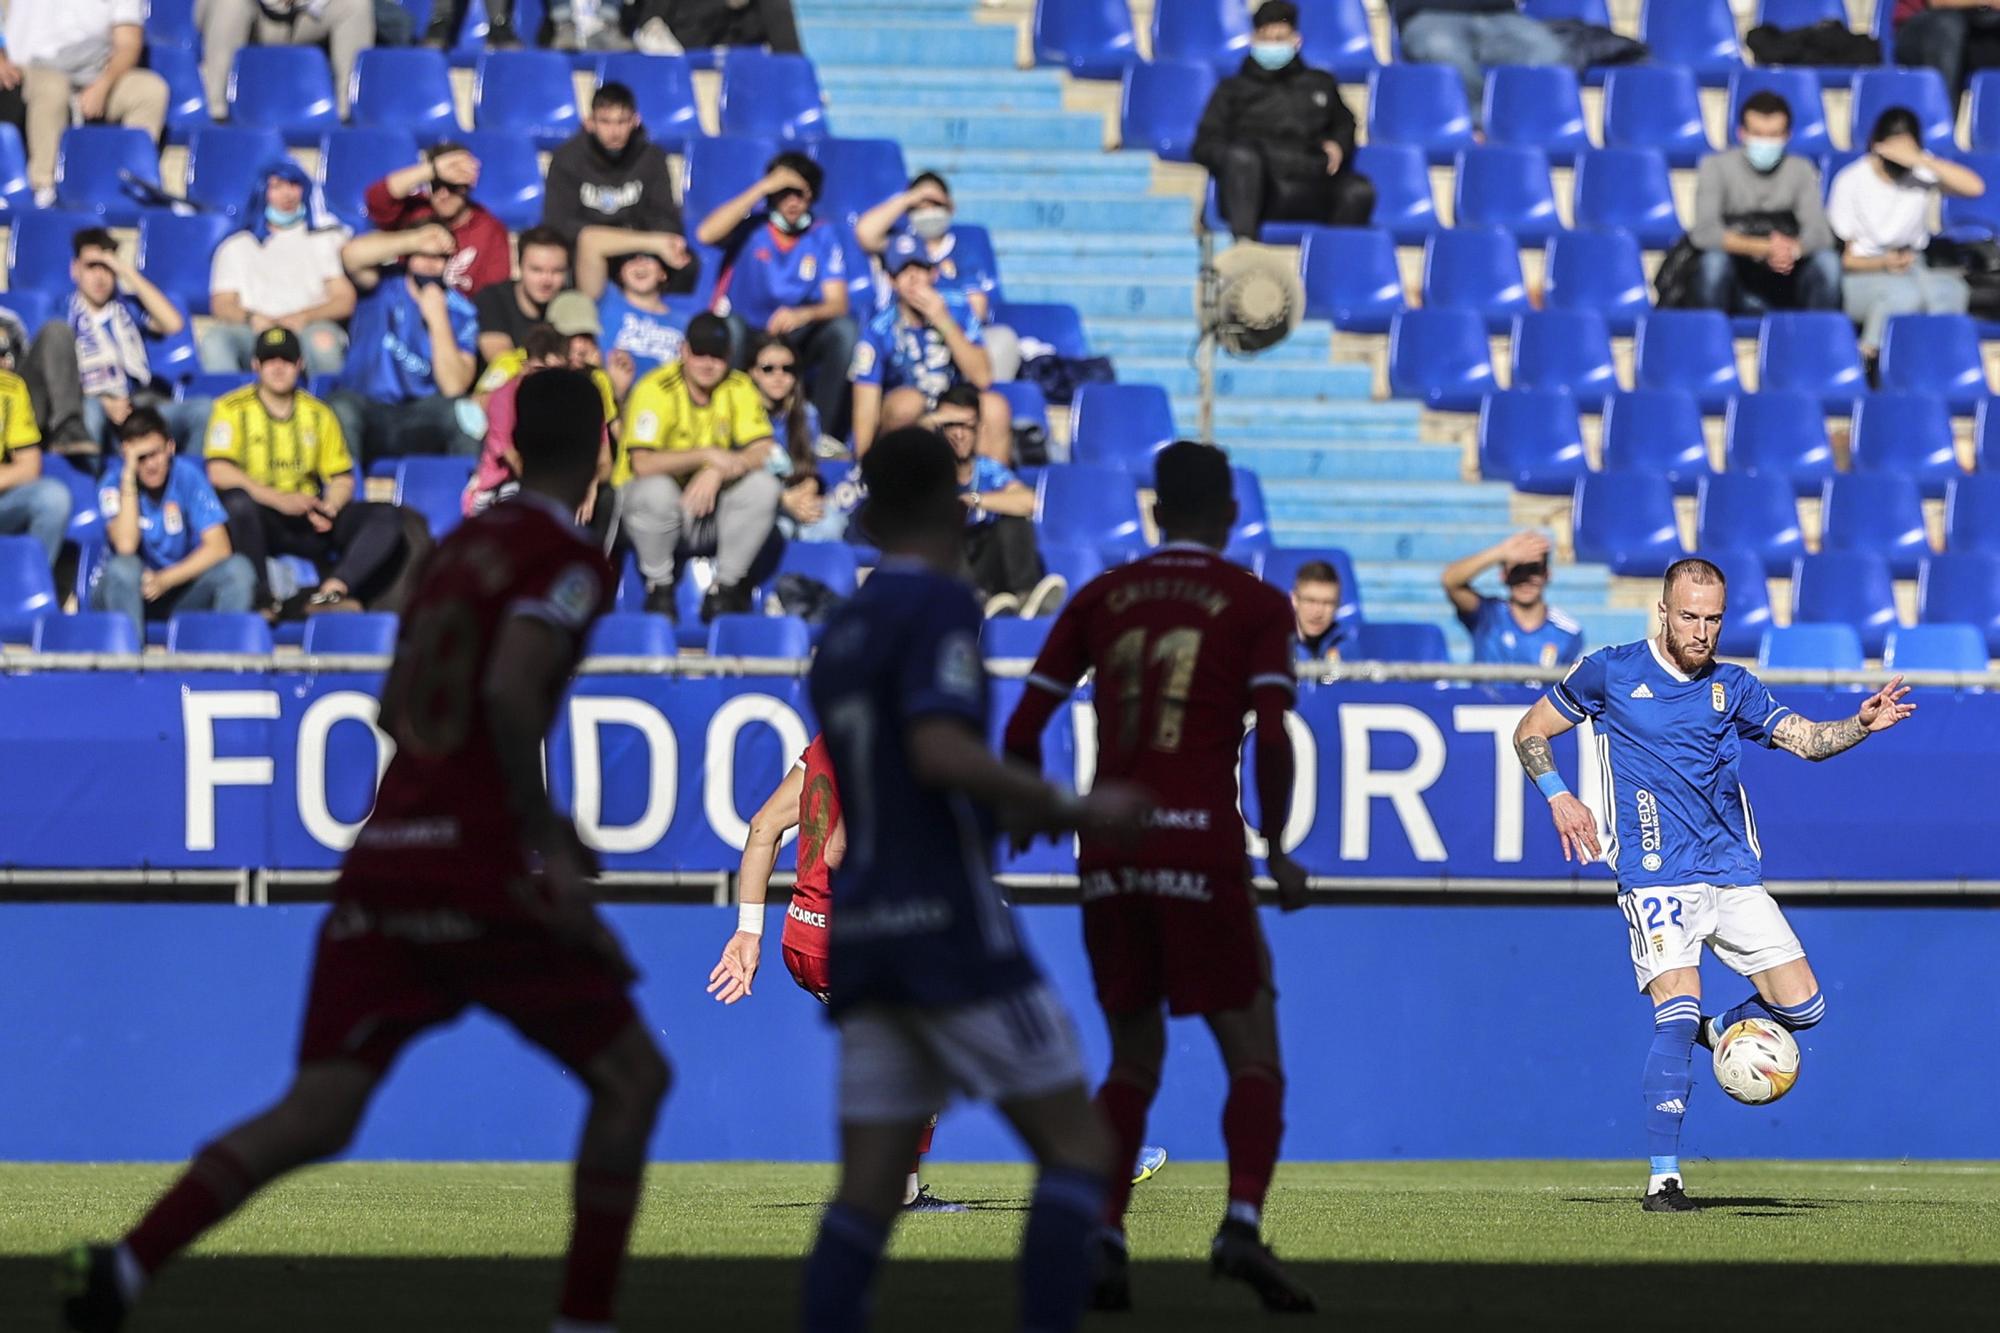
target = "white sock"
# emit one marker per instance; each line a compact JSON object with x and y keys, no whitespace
{"x":1247,"y":1213}
{"x":1657,"y":1183}
{"x":911,"y":1186}
{"x":131,"y":1277}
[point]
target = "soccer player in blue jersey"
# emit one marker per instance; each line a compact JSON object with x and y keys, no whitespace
{"x":1669,"y":722}
{"x":931,"y":987}
{"x":1520,"y":627}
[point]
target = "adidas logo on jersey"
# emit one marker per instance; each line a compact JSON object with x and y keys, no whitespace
{"x":1674,"y":1107}
{"x":1643,"y":692}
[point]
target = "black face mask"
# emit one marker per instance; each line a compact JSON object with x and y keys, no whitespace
{"x":1896,"y":170}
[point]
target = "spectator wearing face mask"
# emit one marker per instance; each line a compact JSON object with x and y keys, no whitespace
{"x":1881,"y":207}
{"x":439,"y":189}
{"x":1758,"y":222}
{"x":926,"y":211}
{"x":282,"y":270}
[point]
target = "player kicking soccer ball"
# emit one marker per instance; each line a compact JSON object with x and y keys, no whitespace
{"x":1185,"y":645}
{"x":932,"y":990}
{"x":466,"y":887}
{"x":1670,"y":721}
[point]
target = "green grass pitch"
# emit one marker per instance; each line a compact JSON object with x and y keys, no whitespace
{"x":391,"y":1247}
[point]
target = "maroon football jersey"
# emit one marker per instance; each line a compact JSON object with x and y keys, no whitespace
{"x":819,"y":815}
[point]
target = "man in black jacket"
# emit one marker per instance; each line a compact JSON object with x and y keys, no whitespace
{"x":1278,"y":139}
{"x":609,"y":174}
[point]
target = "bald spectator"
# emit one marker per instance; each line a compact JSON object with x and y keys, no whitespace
{"x":78,"y":60}
{"x":439,"y":189}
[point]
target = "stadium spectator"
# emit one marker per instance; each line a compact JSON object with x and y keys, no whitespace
{"x":927,"y":210}
{"x":499,"y":471}
{"x":1316,"y":611}
{"x":782,"y":272}
{"x":508,"y":309}
{"x":169,"y":537}
{"x":110,"y":332}
{"x":1001,"y":557}
{"x":46,"y":362}
{"x":625,"y":272}
{"x":30,"y":503}
{"x":281,"y":270}
{"x":610,"y":174}
{"x":277,"y":457}
{"x":1521,"y":627}
{"x":412,"y":356}
{"x":665,"y":27}
{"x":573,"y":316}
{"x":1880,"y":207}
{"x":696,"y":440}
{"x":925,"y":343}
{"x":1473,"y":35}
{"x":447,"y":16}
{"x":1758,"y":222}
{"x":1279,"y":140}
{"x":345,"y":28}
{"x":439,"y":189}
{"x":806,"y":512}
{"x":1956,"y":38}
{"x":78,"y":61}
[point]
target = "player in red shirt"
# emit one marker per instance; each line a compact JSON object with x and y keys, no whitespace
{"x":466,"y":887}
{"x":1184,"y":645}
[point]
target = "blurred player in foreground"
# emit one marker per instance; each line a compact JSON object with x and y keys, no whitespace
{"x":465,"y":888}
{"x":932,"y":990}
{"x":1670,"y":721}
{"x":1184,"y":645}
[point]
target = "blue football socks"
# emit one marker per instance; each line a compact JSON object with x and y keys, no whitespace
{"x":1669,"y":1079}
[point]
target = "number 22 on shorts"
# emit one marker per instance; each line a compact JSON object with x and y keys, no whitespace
{"x":1655,"y":906}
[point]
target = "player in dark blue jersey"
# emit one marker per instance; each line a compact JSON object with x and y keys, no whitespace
{"x":1669,"y":722}
{"x":932,"y":990}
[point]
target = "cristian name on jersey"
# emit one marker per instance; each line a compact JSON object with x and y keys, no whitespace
{"x":1669,"y":744}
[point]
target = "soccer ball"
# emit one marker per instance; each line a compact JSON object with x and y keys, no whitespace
{"x":1756,"y":1061}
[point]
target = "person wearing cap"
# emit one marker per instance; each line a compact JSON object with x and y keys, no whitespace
{"x":411,"y":358}
{"x":1279,"y":140}
{"x":282,"y":270}
{"x":507,"y":310}
{"x":626,"y":273}
{"x":439,"y":189}
{"x":694,"y":476}
{"x":782,"y":272}
{"x":922,"y":345}
{"x":1521,"y":628}
{"x":278,"y":459}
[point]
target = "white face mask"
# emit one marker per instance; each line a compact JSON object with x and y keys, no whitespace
{"x":930,"y":223}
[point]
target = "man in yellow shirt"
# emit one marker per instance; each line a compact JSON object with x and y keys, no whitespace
{"x":29,"y":502}
{"x":693,"y":475}
{"x":280,"y":463}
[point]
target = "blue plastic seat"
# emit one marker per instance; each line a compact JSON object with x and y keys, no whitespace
{"x":1536,"y":106}
{"x":1335,"y":36}
{"x":434,"y":488}
{"x":187,"y":99}
{"x":1749,"y":596}
{"x":1012,"y":637}
{"x":632,"y":634}
{"x":1812,"y":350}
{"x":1121,"y":425}
{"x":222,"y":164}
{"x":1441,"y":357}
{"x":87,"y":632}
{"x":1986,"y":111}
{"x":171,"y":23}
{"x":1420,"y":105}
{"x":1506,"y":187}
{"x":1782,"y":433}
{"x":832,"y":564}
{"x":1351,"y":277}
{"x":1936,"y":354}
{"x":1972,"y":513}
{"x":1092,"y":39}
{"x":1657,"y":431}
{"x":1281,"y":566}
{"x":759,"y":636}
{"x":1215,"y":33}
{"x":1252,"y":529}
{"x":475,"y":25}
{"x":1974,"y":218}
{"x":1962,"y":589}
{"x":1568,"y":350}
{"x":352,"y":160}
{"x":1404,"y":204}
{"x":38,"y":250}
{"x":716,"y":170}
{"x":769,"y":94}
{"x":404,"y":88}
{"x":218,"y":632}
{"x":364,"y":634}
{"x":27,"y":588}
{"x":1080,"y":504}
{"x":1919,"y":89}
{"x":1986,"y":436}
{"x":1160,"y":106}
{"x":1846,"y":588}
{"x":1698,"y":34}
{"x":1656,"y":107}
{"x":1532,"y":440}
{"x":510,"y":177}
{"x":1397,"y":641}
{"x":860,"y":173}
{"x":528,"y":93}
{"x":1750,"y":511}
{"x":1801,"y":13}
{"x":16,"y":194}
{"x":1830,"y":647}
{"x":1935,"y":648}
{"x":32,"y":306}
{"x":85,"y":522}
{"x":1024,"y":398}
{"x":92,"y":164}
{"x":663,"y":87}
{"x":1625,"y":520}
{"x":1627,"y":189}
{"x":1879,"y":512}
{"x":972,"y":256}
{"x":1800,"y":89}
{"x":284,"y":88}
{"x":1688,"y":349}
{"x":1597,"y":13}
{"x":1601,"y":271}
{"x":1908,"y":433}
{"x":1477,"y":268}
{"x":175,"y":253}
{"x":1053,"y":322}
{"x":1077,"y":565}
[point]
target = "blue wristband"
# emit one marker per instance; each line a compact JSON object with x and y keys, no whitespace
{"x":1551,"y":785}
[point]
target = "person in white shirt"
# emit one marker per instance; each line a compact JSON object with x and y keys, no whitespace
{"x":1880,"y":207}
{"x":84,"y":53}
{"x":282,"y":270}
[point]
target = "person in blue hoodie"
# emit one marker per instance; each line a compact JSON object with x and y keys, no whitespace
{"x":282,"y":270}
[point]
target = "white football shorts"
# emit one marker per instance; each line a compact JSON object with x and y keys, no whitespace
{"x":899,"y":1064}
{"x":1741,"y":923}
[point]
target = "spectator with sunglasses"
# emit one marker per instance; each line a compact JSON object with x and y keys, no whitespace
{"x":439,"y":189}
{"x":808,"y":511}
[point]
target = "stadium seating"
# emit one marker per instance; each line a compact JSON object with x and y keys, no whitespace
{"x":1625,"y":520}
{"x":1828,"y":647}
{"x":284,"y":88}
{"x":1160,"y":105}
{"x":218,"y":632}
{"x":1536,"y":106}
{"x":1506,"y":187}
{"x":1973,"y":219}
{"x":38,"y":250}
{"x":369,"y":633}
{"x":1077,"y":565}
{"x":1476,"y":268}
{"x":832,"y":564}
{"x":187,"y":99}
{"x":632,"y":634}
{"x":527,"y":93}
{"x":352,"y":160}
{"x":1800,"y":89}
{"x":663,"y":86}
{"x":1420,"y":105}
{"x":92,"y":166}
{"x":16,"y":195}
{"x":1962,"y":589}
{"x":1627,"y":189}
{"x":1441,"y":357}
{"x":1252,"y":530}
{"x":1281,"y":570}
{"x":1972,"y":513}
{"x":1083,"y":505}
{"x":1052,"y":322}
{"x":1532,"y":440}
{"x":1013,"y":637}
{"x":768,"y":94}
{"x":1335,"y":36}
{"x":1597,"y":13}
{"x":1656,"y":107}
{"x":1936,"y":354}
{"x":222,"y":164}
{"x":759,"y":636}
{"x":860,"y":173}
{"x":171,"y":23}
{"x":1985,"y":86}
{"x":1688,"y":349}
{"x":1698,"y":34}
{"x":435,"y":488}
{"x":175,"y":252}
{"x":87,"y":632}
{"x":510,"y":177}
{"x":1397,"y":641}
{"x":715,"y":170}
{"x":1986,"y":436}
{"x":1026,"y":400}
{"x":1600,"y":271}
{"x":29,"y":305}
{"x":404,"y":88}
{"x":1847,"y":588}
{"x":1404,"y":204}
{"x":1811,"y":350}
{"x":1211,"y":32}
{"x":1749,"y":596}
{"x":1092,"y":39}
{"x":1568,"y":350}
{"x":1657,"y":431}
{"x":85,"y":522}
{"x":1780,"y":432}
{"x":1908,"y":433}
{"x":1121,"y":425}
{"x":1935,"y":648}
{"x":1351,"y":277}
{"x":1881,"y":513}
{"x":1920,"y":90}
{"x":1750,"y":511}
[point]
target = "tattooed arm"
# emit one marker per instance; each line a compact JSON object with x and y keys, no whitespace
{"x":1823,"y":740}
{"x":1574,"y":823}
